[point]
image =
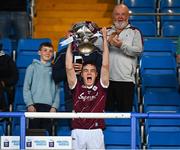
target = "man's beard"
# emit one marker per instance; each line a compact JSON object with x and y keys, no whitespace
{"x":120,"y":24}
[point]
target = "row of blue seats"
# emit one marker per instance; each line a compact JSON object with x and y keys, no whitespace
{"x":159,"y":85}
{"x":152,"y":4}
{"x":149,"y":23}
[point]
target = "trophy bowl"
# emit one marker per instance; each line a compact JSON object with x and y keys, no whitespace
{"x":83,"y":35}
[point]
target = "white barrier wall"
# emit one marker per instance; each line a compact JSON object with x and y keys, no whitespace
{"x":37,"y":142}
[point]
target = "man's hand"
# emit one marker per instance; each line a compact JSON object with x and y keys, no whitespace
{"x":53,"y":109}
{"x":31,"y":108}
{"x":113,"y":40}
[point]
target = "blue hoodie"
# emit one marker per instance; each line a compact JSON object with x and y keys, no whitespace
{"x":39,"y":86}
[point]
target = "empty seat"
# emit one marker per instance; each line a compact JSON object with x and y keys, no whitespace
{"x":169,"y":4}
{"x":147,"y":28}
{"x":6,"y":45}
{"x":19,"y":104}
{"x":22,"y":72}
{"x":158,"y":71}
{"x":3,"y":127}
{"x":162,"y":133}
{"x":15,"y":131}
{"x":171,"y":29}
{"x":62,"y":100}
{"x":145,"y":23}
{"x":117,"y":134}
{"x":157,"y":61}
{"x":156,"y":45}
{"x":138,"y":4}
{"x":163,"y":137}
{"x":170,"y":23}
{"x":63,"y":127}
{"x":161,"y":101}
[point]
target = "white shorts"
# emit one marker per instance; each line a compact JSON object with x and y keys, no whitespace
{"x":84,"y":139}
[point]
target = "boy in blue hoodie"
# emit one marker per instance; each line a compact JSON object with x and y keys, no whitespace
{"x":40,"y":92}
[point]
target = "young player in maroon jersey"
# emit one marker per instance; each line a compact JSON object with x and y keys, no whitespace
{"x":89,"y":95}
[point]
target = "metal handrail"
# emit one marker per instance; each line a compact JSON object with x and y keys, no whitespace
{"x":155,"y":14}
{"x":20,"y":115}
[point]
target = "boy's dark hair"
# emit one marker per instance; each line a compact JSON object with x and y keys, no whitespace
{"x":89,"y":62}
{"x":48,"y":44}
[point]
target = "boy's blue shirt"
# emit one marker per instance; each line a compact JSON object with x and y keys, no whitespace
{"x":39,"y":87}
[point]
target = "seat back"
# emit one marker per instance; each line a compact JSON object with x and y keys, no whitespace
{"x":161,"y":101}
{"x":6,"y":45}
{"x":159,"y":61}
{"x":19,"y":104}
{"x":170,"y":23}
{"x":117,"y":134}
{"x":3,"y":127}
{"x":154,"y":45}
{"x":28,"y":50}
{"x":138,"y":4}
{"x":158,"y":71}
{"x":146,"y":24}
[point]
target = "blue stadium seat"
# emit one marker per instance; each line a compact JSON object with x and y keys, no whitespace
{"x":169,"y":4}
{"x":7,"y":45}
{"x":19,"y":105}
{"x":3,"y":127}
{"x":162,"y":45}
{"x":171,"y":29}
{"x":62,"y":101}
{"x":162,"y":122}
{"x":15,"y":131}
{"x":145,"y":23}
{"x":149,"y":5}
{"x":22,"y":72}
{"x":117,"y":134}
{"x":158,"y":71}
{"x":63,"y":127}
{"x":147,"y":28}
{"x":161,"y":101}
{"x":170,"y":23}
{"x":162,"y":133}
{"x":167,"y":139}
{"x":152,"y":79}
{"x":159,"y":61}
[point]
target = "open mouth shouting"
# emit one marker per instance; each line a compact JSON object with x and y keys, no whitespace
{"x":89,"y":74}
{"x":89,"y":79}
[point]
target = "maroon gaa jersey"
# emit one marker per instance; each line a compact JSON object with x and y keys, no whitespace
{"x":88,"y":100}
